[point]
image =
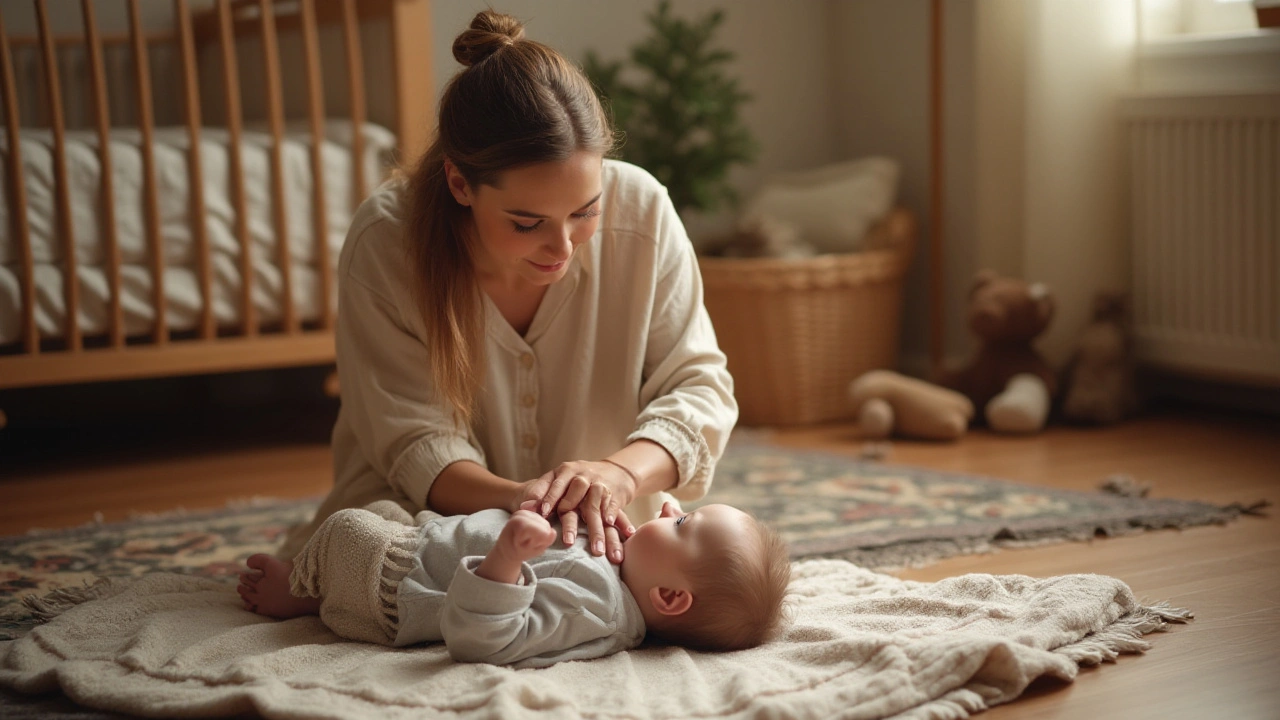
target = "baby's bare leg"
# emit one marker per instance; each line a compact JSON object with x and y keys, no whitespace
{"x":265,"y":589}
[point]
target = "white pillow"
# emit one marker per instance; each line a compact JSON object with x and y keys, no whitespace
{"x":833,"y":206}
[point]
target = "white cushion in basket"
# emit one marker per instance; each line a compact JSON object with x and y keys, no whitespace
{"x":833,"y":206}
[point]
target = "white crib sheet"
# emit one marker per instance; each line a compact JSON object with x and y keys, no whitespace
{"x":182,"y":292}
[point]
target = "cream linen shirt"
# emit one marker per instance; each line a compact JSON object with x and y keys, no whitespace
{"x":621,"y":349}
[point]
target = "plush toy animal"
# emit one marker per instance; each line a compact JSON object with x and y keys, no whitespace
{"x":1099,"y":380}
{"x":1007,"y":380}
{"x":887,"y":403}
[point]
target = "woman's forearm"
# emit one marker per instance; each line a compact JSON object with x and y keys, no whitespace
{"x":653,"y":466}
{"x":466,"y":487}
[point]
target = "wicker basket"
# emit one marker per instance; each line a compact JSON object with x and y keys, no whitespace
{"x":797,"y":332}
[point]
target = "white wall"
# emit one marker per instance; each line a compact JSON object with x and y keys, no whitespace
{"x":1237,"y":63}
{"x":1079,"y":64}
{"x":1033,"y":150}
{"x":781,"y":61}
{"x":880,"y":51}
{"x":1000,"y":100}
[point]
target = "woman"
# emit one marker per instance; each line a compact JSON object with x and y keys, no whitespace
{"x":520,"y":319}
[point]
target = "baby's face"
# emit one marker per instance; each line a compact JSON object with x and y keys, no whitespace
{"x":661,"y":550}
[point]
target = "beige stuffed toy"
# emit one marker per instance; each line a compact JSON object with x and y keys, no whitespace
{"x":887,"y":403}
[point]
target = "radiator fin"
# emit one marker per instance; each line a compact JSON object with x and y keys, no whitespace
{"x":1205,"y":192}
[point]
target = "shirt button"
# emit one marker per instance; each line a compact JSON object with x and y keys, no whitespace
{"x":530,"y":441}
{"x":528,"y":400}
{"x":527,"y":360}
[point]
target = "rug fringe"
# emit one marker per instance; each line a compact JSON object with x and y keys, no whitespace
{"x":1254,"y":508}
{"x":925,"y":552}
{"x":55,"y":602}
{"x":1124,"y":635}
{"x":1124,"y":485}
{"x":914,"y":554}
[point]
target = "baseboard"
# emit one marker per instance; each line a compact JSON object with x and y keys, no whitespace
{"x":1159,"y":384}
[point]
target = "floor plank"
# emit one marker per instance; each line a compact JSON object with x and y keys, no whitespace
{"x":1224,"y":664}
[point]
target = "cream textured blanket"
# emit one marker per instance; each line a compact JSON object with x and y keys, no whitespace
{"x":862,"y":645}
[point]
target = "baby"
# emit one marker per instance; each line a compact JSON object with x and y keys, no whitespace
{"x":502,"y":588}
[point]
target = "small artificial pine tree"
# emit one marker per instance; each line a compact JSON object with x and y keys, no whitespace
{"x":681,"y":122}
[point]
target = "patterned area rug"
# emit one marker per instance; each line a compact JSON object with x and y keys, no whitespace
{"x":876,"y":515}
{"x":213,"y":544}
{"x":885,"y":516}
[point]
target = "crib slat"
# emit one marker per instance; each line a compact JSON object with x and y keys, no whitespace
{"x":108,"y":207}
{"x":275,"y":106}
{"x":411,"y":78}
{"x":18,"y":198}
{"x":191,"y":91}
{"x":231,"y":72}
{"x":150,"y":203}
{"x":355,"y":82}
{"x":315,"y":94}
{"x":71,"y":278}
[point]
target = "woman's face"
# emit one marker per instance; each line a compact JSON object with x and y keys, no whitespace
{"x":529,"y":225}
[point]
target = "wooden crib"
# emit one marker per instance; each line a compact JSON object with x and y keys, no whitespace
{"x":199,"y":269}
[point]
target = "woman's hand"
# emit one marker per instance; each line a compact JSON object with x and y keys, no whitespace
{"x":596,"y":492}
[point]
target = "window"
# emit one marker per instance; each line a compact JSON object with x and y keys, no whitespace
{"x":1185,"y":19}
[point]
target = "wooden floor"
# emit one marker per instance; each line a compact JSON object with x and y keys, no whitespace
{"x":1226,"y":664}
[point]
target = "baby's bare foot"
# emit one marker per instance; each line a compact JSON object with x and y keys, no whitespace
{"x":265,"y":589}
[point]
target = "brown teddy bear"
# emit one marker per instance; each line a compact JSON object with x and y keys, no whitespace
{"x":1007,"y":379}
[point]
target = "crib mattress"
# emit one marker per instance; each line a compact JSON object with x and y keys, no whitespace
{"x":176,"y":225}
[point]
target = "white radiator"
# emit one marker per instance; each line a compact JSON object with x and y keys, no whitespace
{"x":1204,"y":177}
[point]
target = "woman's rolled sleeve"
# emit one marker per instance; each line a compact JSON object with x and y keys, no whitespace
{"x":690,"y":451}
{"x":416,"y":469}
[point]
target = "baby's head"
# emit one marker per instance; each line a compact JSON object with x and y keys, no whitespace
{"x":711,"y":579}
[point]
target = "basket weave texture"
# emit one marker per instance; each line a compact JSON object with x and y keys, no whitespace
{"x":797,"y":332}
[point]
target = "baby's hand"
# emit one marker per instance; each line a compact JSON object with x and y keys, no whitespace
{"x":526,"y":535}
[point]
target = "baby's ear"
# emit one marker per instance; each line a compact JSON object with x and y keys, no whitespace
{"x":670,"y":602}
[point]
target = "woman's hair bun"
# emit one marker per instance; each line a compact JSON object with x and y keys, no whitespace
{"x":489,"y":32}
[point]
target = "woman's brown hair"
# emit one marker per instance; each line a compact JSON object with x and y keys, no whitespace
{"x":516,"y":103}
